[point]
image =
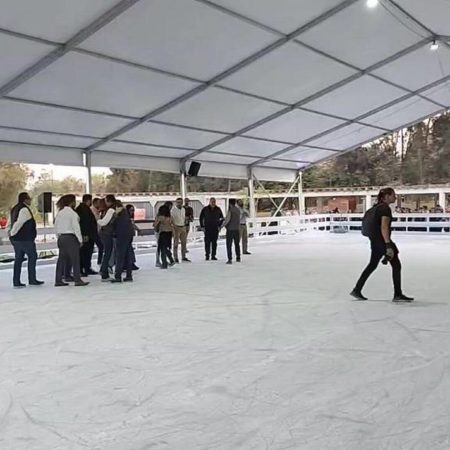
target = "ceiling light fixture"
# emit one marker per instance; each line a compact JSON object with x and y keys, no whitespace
{"x":372,"y":3}
{"x":434,"y":46}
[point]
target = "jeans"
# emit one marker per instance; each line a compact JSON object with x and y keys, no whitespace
{"x":22,"y":248}
{"x":69,"y":256}
{"x":233,"y":236}
{"x":164,"y":243}
{"x":211,"y":236}
{"x":123,"y":257}
{"x":378,"y":251}
{"x":108,"y":245}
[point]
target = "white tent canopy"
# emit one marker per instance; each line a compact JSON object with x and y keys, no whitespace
{"x":271,"y":85}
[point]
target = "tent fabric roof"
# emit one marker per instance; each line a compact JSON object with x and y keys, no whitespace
{"x":275,"y":86}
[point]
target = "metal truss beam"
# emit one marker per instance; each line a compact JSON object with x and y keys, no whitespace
{"x":311,"y":98}
{"x":60,"y":51}
{"x":355,"y":147}
{"x":359,"y":118}
{"x":218,"y":78}
{"x":88,"y":111}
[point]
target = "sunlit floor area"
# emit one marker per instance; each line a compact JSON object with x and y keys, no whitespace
{"x":271,"y":353}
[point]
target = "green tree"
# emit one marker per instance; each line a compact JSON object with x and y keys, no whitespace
{"x":46,"y":183}
{"x":13,"y":179}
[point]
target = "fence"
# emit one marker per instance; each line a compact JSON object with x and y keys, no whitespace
{"x":265,"y":226}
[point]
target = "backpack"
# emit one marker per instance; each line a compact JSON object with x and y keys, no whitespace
{"x":368,"y":222}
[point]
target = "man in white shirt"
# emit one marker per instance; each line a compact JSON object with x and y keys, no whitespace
{"x":22,"y":235}
{"x":70,"y":239}
{"x":178,"y":215}
{"x":107,"y":234}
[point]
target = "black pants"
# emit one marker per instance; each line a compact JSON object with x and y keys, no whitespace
{"x":165,"y":244}
{"x":22,"y":248}
{"x":86,"y":252}
{"x":69,"y":256}
{"x":378,"y":252}
{"x":99,"y":244}
{"x":233,"y":236}
{"x":108,"y":245}
{"x":211,"y":236}
{"x":123,"y":257}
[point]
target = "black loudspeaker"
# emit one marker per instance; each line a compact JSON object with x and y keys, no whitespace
{"x":194,"y":169}
{"x":45,"y":202}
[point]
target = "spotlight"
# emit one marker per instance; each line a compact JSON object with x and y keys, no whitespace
{"x":372,"y":3}
{"x":434,"y":46}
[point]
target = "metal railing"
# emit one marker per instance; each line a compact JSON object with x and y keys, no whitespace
{"x":266,"y":226}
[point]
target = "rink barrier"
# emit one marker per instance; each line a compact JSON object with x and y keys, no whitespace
{"x":261,"y":227}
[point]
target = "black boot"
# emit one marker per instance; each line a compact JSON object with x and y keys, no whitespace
{"x":402,"y":298}
{"x":358,"y":295}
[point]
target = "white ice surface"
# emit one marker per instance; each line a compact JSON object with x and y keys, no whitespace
{"x":269,"y":354}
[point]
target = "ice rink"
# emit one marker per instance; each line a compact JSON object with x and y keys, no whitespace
{"x":268,"y":354}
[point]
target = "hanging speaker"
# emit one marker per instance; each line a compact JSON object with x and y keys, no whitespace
{"x":45,"y":202}
{"x":194,"y":169}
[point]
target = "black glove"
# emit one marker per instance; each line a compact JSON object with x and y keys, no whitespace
{"x":390,"y":253}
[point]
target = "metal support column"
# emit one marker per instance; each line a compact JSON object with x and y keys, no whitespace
{"x":183,"y":184}
{"x":88,"y":164}
{"x":251,"y":194}
{"x":443,"y":200}
{"x":368,"y":204}
{"x":301,"y":196}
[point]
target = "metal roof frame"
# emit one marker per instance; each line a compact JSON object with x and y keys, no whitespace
{"x":72,"y":44}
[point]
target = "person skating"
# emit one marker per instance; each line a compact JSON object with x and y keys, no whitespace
{"x":377,"y":227}
{"x":178,"y":215}
{"x":89,"y":231}
{"x":243,"y":232}
{"x":67,"y":228}
{"x":22,"y":235}
{"x":231,"y":223}
{"x":123,"y":232}
{"x":211,"y":219}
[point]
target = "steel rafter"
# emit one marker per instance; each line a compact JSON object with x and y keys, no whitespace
{"x":307,"y":46}
{"x":313,"y":97}
{"x":60,"y":51}
{"x":233,"y":69}
{"x":359,"y":118}
{"x":354,"y":147}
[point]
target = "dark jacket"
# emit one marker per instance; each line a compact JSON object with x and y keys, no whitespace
{"x":211,"y":218}
{"x":123,"y":226}
{"x":28,"y":230}
{"x":88,"y":224}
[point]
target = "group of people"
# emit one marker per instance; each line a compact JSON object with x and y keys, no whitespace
{"x":109,"y":225}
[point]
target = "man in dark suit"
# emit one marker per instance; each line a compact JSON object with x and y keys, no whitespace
{"x":89,"y":230}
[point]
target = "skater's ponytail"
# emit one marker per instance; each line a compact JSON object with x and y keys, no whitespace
{"x":383,"y":193}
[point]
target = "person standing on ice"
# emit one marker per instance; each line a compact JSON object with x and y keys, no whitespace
{"x":243,"y":232}
{"x":232,"y":223}
{"x":211,"y":219}
{"x":377,"y":227}
{"x":107,"y":234}
{"x":22,"y":235}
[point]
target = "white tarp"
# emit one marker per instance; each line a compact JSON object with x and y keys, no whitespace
{"x":272,"y":85}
